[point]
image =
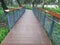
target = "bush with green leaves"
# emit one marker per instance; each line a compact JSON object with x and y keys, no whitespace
{"x":3,"y":29}
{"x":57,"y":10}
{"x":2,"y":15}
{"x":28,"y":7}
{"x":3,"y":32}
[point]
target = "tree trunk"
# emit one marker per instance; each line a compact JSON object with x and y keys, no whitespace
{"x":33,"y":4}
{"x":19,"y":2}
{"x":43,"y":3}
{"x":3,"y":5}
{"x":11,"y":2}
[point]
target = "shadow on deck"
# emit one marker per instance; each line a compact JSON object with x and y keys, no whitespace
{"x":27,"y":31}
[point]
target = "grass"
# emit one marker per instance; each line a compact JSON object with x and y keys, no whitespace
{"x":3,"y":32}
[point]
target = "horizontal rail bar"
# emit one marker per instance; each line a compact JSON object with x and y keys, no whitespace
{"x":49,"y":12}
{"x":12,"y":9}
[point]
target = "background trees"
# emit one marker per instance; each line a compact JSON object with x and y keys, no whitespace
{"x":31,"y":2}
{"x":3,"y":4}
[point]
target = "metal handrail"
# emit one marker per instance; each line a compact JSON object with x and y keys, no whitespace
{"x":13,"y":15}
{"x":9,"y":19}
{"x":49,"y":23}
{"x":51,"y":13}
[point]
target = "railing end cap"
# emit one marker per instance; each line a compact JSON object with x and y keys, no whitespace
{"x":7,"y":10}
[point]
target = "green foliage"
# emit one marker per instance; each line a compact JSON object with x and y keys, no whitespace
{"x":37,"y":1}
{"x":3,"y":29}
{"x":3,"y":33}
{"x":57,"y":10}
{"x":27,"y":1}
{"x":2,"y":15}
{"x":28,"y":7}
{"x":56,"y":34}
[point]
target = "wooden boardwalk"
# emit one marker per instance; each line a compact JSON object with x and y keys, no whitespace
{"x":27,"y":31}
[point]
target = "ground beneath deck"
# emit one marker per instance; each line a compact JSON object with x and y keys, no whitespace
{"x":27,"y":31}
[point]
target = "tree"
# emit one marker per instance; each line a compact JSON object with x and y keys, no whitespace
{"x":11,"y":2}
{"x":3,"y":5}
{"x":58,"y":3}
{"x":33,"y":3}
{"x":18,"y":2}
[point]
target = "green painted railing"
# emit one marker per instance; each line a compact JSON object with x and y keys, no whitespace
{"x":13,"y":16}
{"x":49,"y":21}
{"x":8,"y":20}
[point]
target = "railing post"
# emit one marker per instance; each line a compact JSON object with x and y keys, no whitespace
{"x":19,"y":13}
{"x":51,"y":28}
{"x":14,"y":17}
{"x":8,"y":18}
{"x":44,"y":19}
{"x":38,"y":14}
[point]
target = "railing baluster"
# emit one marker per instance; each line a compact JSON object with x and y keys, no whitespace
{"x":8,"y":18}
{"x":14,"y":17}
{"x":51,"y":28}
{"x":44,"y":19}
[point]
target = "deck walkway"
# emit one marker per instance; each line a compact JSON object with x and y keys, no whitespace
{"x":27,"y":31}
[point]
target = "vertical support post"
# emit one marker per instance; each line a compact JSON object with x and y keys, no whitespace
{"x":12,"y":19}
{"x":17,"y":15}
{"x":14,"y":16}
{"x":9,"y":23}
{"x":40,"y":14}
{"x":41,"y":17}
{"x":51,"y":28}
{"x":44,"y":19}
{"x":19,"y":12}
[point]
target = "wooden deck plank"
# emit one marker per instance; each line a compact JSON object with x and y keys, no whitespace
{"x":27,"y":31}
